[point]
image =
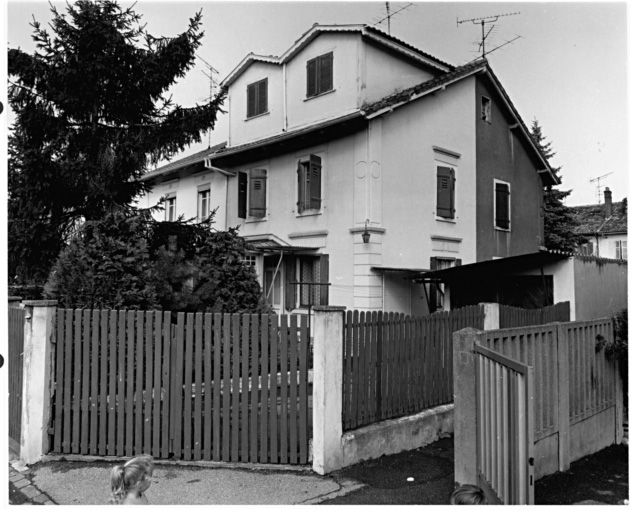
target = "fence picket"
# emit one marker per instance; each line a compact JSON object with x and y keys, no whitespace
{"x":168,"y":398}
{"x":217,"y":382}
{"x":293,"y":342}
{"x":121,"y":380}
{"x":245,"y":354}
{"x":59,"y":381}
{"x":226,"y":389}
{"x":187,"y":389}
{"x":208,"y":421}
{"x":235,"y":389}
{"x":157,"y":386}
{"x":264,"y":395}
{"x":112,"y":384}
{"x":274,"y":432}
{"x":177,"y":387}
{"x":255,"y":388}
{"x":198,"y":390}
{"x":85,"y":366}
{"x":283,"y":431}
{"x":94,"y":381}
{"x":303,"y":391}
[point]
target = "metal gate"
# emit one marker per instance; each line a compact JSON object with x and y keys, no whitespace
{"x":505,"y":428}
{"x":16,"y":371}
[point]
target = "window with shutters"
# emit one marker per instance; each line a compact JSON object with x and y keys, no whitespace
{"x":257,"y":98}
{"x":170,"y":209}
{"x":502,"y":205}
{"x":319,"y":76}
{"x":204,"y":198}
{"x":486,"y":109}
{"x":445,"y":192}
{"x":309,"y":184}
{"x":620,"y":250}
{"x":252,"y":195}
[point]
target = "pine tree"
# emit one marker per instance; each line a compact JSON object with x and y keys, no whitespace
{"x":92,"y":113}
{"x":559,"y":220}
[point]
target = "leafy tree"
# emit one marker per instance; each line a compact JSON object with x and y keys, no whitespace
{"x":106,"y":265}
{"x":92,"y":112}
{"x":559,"y":220}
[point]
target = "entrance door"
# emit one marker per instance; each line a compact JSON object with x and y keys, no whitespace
{"x":273,"y":283}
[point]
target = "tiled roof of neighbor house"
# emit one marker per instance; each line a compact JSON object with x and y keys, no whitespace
{"x":592,"y":219}
{"x":183,"y":162}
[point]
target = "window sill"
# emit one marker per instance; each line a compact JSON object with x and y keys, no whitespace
{"x":254,"y":221}
{"x":258,"y":115}
{"x":444,"y":219}
{"x":507,"y":230}
{"x":319,"y":95}
{"x":309,"y":213}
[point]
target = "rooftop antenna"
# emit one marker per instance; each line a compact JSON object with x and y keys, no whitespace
{"x":483,"y":21}
{"x":212,"y":82}
{"x":391,"y":15}
{"x":598,"y":185}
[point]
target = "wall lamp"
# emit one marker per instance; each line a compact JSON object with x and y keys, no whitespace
{"x":366,"y":234}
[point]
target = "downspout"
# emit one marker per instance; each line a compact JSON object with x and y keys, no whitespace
{"x":285,"y":103}
{"x":226,"y":204}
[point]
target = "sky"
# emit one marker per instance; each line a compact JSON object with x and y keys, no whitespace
{"x":566,"y":64}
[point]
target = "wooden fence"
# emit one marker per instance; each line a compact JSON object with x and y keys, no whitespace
{"x":395,"y":365}
{"x":215,"y":387}
{"x":16,"y":372}
{"x":519,"y":317}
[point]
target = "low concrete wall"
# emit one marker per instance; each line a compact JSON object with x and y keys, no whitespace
{"x":593,"y":434}
{"x":397,"y":435}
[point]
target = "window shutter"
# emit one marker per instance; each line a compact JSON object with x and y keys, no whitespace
{"x":251,"y":100}
{"x":301,"y":187}
{"x":446,"y":192}
{"x":315,"y":182}
{"x":325,"y":72}
{"x":502,"y":204}
{"x":262,"y":97}
{"x":324,"y":262}
{"x":311,"y":78}
{"x":257,"y":191}
{"x":242,"y":184}
{"x":290,"y":290}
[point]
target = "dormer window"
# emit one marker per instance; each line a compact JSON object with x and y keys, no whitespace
{"x":320,"y":75}
{"x":257,"y":98}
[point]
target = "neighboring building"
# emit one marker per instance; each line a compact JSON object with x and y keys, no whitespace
{"x":605,"y":227}
{"x":353,"y":134}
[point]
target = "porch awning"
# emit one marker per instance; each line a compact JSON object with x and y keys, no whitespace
{"x":272,"y":244}
{"x":494,"y":268}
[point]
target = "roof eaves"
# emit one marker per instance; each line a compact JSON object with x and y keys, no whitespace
{"x":200,"y":156}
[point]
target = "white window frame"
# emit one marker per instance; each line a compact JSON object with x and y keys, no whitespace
{"x":249,"y":218}
{"x":170,"y":208}
{"x":486,"y":109}
{"x":202,"y":216}
{"x":494,"y":205}
{"x":305,"y":159}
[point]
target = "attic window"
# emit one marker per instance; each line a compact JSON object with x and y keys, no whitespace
{"x":486,"y":109}
{"x":257,"y":98}
{"x":320,"y":75}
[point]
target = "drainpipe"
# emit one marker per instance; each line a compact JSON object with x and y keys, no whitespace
{"x":285,"y":105}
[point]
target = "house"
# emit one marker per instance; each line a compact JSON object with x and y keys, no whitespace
{"x":604,"y":225}
{"x":355,"y":159}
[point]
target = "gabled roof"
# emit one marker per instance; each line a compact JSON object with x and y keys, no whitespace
{"x":388,"y":103}
{"x":593,"y":222}
{"x":366,"y":31}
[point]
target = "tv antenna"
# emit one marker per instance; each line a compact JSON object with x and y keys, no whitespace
{"x":487,"y":20}
{"x":212,"y":82}
{"x":391,"y":15}
{"x":598,"y":185}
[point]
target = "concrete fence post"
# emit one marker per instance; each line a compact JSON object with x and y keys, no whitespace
{"x":491,"y":316}
{"x":39,"y":339}
{"x":327,"y":389}
{"x":465,"y":405}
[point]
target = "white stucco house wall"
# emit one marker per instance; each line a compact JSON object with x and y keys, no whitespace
{"x":353,"y":132}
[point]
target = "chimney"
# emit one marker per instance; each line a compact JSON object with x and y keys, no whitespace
{"x":608,"y":207}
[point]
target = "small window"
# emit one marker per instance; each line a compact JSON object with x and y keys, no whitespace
{"x":257,"y":98}
{"x":621,"y":250}
{"x":250,"y":260}
{"x":587,"y":249}
{"x":204,"y":197}
{"x":309,"y":184}
{"x":502,"y":205}
{"x":320,"y":75}
{"x":170,"y":209}
{"x":251,"y":199}
{"x":486,"y":109}
{"x":445,"y":192}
